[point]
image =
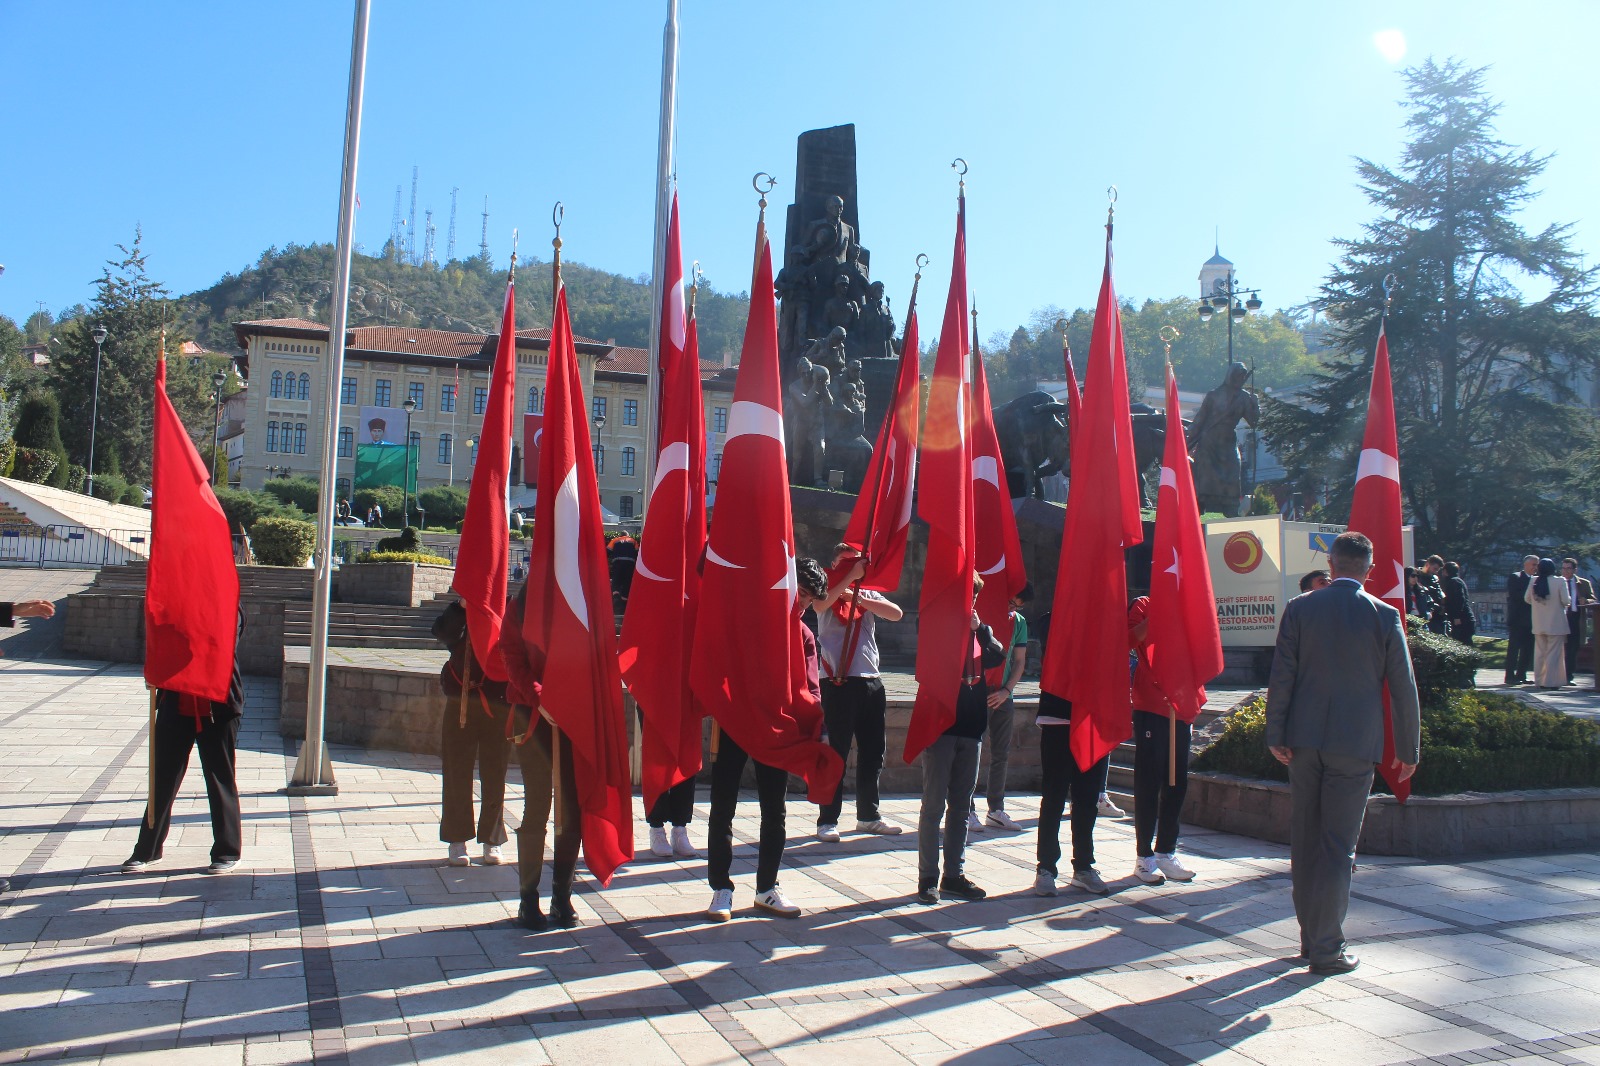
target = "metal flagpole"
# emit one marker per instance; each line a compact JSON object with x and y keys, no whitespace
{"x":313,"y":772}
{"x":664,"y":179}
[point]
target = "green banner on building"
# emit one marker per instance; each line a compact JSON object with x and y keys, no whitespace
{"x":381,"y":465}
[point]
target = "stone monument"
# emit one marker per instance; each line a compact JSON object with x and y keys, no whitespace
{"x":1214,"y":443}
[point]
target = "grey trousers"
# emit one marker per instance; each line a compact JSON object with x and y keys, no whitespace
{"x":949,"y":772}
{"x":1001,"y":721}
{"x":1329,"y":793}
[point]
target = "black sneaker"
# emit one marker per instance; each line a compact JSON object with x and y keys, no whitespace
{"x":962,"y":888}
{"x":927,"y":894}
{"x":221,"y":866}
{"x":136,"y":865}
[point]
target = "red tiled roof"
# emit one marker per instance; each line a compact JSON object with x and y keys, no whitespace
{"x":443,"y":343}
{"x":286,"y":323}
{"x":637,"y":361}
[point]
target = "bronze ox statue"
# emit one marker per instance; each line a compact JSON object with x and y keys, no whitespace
{"x":1033,"y":434}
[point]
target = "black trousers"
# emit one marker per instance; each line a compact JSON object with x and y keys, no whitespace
{"x":175,"y":735}
{"x":539,"y":785}
{"x":771,"y":785}
{"x":1156,"y":804}
{"x":1061,"y":779}
{"x":675,"y":805}
{"x":855,"y":710}
{"x":482,"y":743}
{"x":1519,"y":652}
{"x":1574,"y":641}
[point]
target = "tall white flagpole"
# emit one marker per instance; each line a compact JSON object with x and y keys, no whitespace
{"x":313,"y":772}
{"x":664,"y":181}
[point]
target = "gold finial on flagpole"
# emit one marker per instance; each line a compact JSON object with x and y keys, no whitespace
{"x":1168,"y":334}
{"x":514,"y":233}
{"x":1111,"y":208}
{"x":557,"y":213}
{"x":916,"y":279}
{"x":1390,"y":284}
{"x":694,"y":286}
{"x":960,"y":167}
{"x":761,"y":219}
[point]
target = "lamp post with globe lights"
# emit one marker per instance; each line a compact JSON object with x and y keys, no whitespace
{"x":99,"y":334}
{"x":217,"y":381}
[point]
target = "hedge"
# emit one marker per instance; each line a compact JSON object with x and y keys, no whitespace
{"x":35,"y":465}
{"x":299,"y":492}
{"x":402,"y":557}
{"x":1442,"y":664}
{"x":282,"y":541}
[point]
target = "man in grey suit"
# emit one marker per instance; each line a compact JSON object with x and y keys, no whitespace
{"x":1336,"y":649}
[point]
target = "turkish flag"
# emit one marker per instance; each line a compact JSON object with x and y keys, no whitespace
{"x":658,"y":627}
{"x":480,"y":578}
{"x":532,"y":429}
{"x":191,"y":600}
{"x":1184,"y":643}
{"x":1375,"y":511}
{"x":998,"y":555}
{"x":944,"y":632}
{"x":1086,"y":661}
{"x":880,"y":523}
{"x":748,"y":666}
{"x":1074,"y":397}
{"x":568,"y":616}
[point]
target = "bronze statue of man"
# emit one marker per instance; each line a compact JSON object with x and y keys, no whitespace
{"x":830,"y":238}
{"x":1214,"y":442}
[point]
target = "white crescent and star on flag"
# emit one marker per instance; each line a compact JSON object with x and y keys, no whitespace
{"x":568,"y":532}
{"x":674,"y":456}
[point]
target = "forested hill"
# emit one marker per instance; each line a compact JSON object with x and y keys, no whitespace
{"x":297,"y":282}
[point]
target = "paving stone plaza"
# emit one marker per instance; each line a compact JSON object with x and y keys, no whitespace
{"x":342,"y":936}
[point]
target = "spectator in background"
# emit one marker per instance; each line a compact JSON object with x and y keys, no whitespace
{"x":1580,"y":592}
{"x":1431,"y":576}
{"x":1419,"y":600}
{"x":1457,"y":606}
{"x":1003,"y":681}
{"x":1519,"y":622}
{"x":1312,"y":580}
{"x":1547,"y":596}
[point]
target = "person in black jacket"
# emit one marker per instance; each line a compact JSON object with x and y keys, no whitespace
{"x":1519,"y":622}
{"x":472,"y":735}
{"x":185,"y":722}
{"x":1457,"y":605}
{"x":950,"y":773}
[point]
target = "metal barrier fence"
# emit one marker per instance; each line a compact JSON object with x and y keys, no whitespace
{"x":71,"y":546}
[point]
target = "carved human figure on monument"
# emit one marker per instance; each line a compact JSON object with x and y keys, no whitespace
{"x":849,"y":450}
{"x":829,"y":240}
{"x":873,"y":338}
{"x":805,"y":414}
{"x":1214,"y":442}
{"x":829,"y":350}
{"x":794,"y":288}
{"x":839,"y":311}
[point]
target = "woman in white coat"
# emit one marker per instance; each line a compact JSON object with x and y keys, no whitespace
{"x":1549,"y":598}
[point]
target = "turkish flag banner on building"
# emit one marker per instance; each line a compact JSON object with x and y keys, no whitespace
{"x":1375,"y":511}
{"x":480,"y":576}
{"x":1086,"y":662}
{"x":944,"y":632}
{"x":1185,"y":642}
{"x":532,"y":427}
{"x":568,"y":616}
{"x":748,"y":665}
{"x":191,"y":602}
{"x":658,"y":628}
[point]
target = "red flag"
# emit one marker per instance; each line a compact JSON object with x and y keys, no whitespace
{"x":944,"y":633}
{"x":881,"y":521}
{"x":1086,"y":661}
{"x":658,"y":628}
{"x":480,"y":578}
{"x":569,"y":612}
{"x":532,"y":432}
{"x":191,"y":601}
{"x":1074,"y":397}
{"x":1375,"y":511}
{"x":998,"y":554}
{"x":1184,"y":641}
{"x":748,"y":663}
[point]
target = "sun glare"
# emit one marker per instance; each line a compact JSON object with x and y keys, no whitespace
{"x":1391,"y":44}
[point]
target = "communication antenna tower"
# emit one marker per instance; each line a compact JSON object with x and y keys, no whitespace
{"x":397,"y":234}
{"x":428,"y":232}
{"x":483,"y":242}
{"x":411,"y":233}
{"x":450,"y":246}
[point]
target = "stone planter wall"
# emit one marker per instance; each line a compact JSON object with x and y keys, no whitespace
{"x":1473,"y":823}
{"x":395,"y":584}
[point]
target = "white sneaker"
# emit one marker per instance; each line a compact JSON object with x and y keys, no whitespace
{"x":974,"y":823}
{"x":1173,"y":868}
{"x":458,"y":855}
{"x":721,"y":908}
{"x":491,"y":855}
{"x":828,"y":834}
{"x":879,"y":827}
{"x":1044,"y":883}
{"x":1146,"y":870}
{"x":1108,"y":808}
{"x":681,"y":848}
{"x":774,"y":902}
{"x":658,"y":842}
{"x":1001,"y":820}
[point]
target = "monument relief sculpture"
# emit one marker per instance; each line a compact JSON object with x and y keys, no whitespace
{"x":1214,"y":442}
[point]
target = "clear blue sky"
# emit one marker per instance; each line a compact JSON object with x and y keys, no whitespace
{"x":218,"y":128}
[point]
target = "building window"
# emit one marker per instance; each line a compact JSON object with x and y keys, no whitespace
{"x":599,"y":458}
{"x":630,"y":412}
{"x":347,"y":391}
{"x":625,"y":505}
{"x":447,"y":398}
{"x":628,"y":456}
{"x":272,"y":436}
{"x":533,"y":399}
{"x":598,"y":408}
{"x":719,"y":419}
{"x":480,"y":400}
{"x":414,"y":392}
{"x":381,"y":392}
{"x":716,"y":466}
{"x":416,"y":442}
{"x":347,"y":442}
{"x":341,"y":488}
{"x":300,"y":438}
{"x":276,"y":390}
{"x":305,"y":386}
{"x":445,"y":441}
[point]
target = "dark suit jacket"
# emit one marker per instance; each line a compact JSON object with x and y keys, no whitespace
{"x":1585,"y":594}
{"x":1518,"y":612}
{"x":1336,"y":648}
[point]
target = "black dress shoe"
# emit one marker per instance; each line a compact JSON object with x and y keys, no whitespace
{"x":562,"y":914}
{"x":529,"y":916}
{"x":1344,"y":963}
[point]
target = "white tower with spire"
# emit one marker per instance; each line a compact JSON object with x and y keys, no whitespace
{"x":1214,"y":274}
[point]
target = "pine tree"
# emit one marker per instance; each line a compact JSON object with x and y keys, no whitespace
{"x":1485,"y":373}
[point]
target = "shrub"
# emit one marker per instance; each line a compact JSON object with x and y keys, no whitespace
{"x":39,"y":428}
{"x":300,"y":492}
{"x":282,"y":541}
{"x":1441,"y":663}
{"x":389,"y":497}
{"x":245,"y":508}
{"x":8,"y":455}
{"x":35,"y":465}
{"x":446,"y":505}
{"x":402,"y":557}
{"x":76,"y":475}
{"x":109,"y":487}
{"x":133,"y":496}
{"x":405,"y":542}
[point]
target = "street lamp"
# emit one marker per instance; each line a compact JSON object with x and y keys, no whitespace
{"x":599,"y":428}
{"x":1224,"y":298}
{"x":217,"y":381}
{"x":99,"y":335}
{"x":405,"y":490}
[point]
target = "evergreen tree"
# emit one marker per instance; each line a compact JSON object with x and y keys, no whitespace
{"x":1484,"y":372}
{"x":39,"y":427}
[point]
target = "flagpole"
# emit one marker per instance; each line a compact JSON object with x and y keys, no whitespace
{"x":664,"y":180}
{"x":313,"y":772}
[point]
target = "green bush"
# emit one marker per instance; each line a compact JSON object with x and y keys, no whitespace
{"x":35,"y":465}
{"x":133,"y":496}
{"x":389,"y":497}
{"x":245,"y":508}
{"x":1442,"y":664}
{"x":402,"y":557}
{"x":406,"y":542}
{"x":444,"y":506}
{"x":109,"y":487}
{"x":39,"y":428}
{"x":8,"y":455}
{"x":76,"y":475}
{"x":282,"y":541}
{"x":299,"y":492}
